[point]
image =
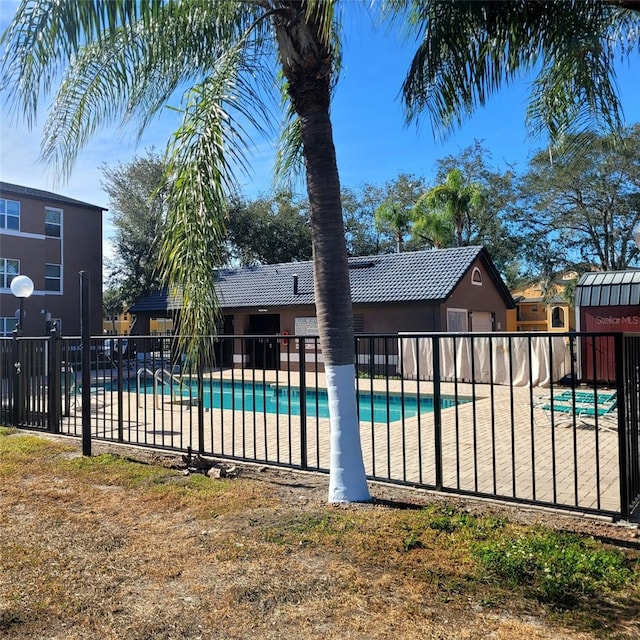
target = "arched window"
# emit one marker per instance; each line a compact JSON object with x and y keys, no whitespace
{"x":557,"y":317}
{"x":476,"y":277}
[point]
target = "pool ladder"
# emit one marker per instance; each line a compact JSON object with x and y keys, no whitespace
{"x":161,"y":377}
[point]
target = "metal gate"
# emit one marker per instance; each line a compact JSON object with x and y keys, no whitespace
{"x":629,"y":449}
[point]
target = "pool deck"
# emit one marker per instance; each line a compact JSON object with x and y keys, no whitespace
{"x":502,"y":444}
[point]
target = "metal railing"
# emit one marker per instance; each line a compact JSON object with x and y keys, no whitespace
{"x":547,"y":419}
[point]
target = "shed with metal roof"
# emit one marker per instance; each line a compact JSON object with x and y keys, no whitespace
{"x":607,"y":301}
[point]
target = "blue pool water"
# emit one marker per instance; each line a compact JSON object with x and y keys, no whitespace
{"x":270,"y":398}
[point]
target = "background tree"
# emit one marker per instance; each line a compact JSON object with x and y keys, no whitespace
{"x":138,"y":206}
{"x":394,"y":219}
{"x":490,"y":225}
{"x":457,"y":200}
{"x":361,"y":234}
{"x":112,"y":305}
{"x":435,"y":229}
{"x":268,"y":230}
{"x":584,"y":207}
{"x":392,"y":205}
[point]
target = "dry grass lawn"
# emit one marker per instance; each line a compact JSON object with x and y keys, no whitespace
{"x":112,"y":548}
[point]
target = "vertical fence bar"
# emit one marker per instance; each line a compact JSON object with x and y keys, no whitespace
{"x":437,"y":412}
{"x":303,"y":405}
{"x":18,"y":394}
{"x":622,"y":424}
{"x":200,"y":397}
{"x":86,"y":362}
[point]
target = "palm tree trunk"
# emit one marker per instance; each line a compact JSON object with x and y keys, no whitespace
{"x":308,"y":70}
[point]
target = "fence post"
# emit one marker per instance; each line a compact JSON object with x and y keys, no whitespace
{"x":120,"y":355}
{"x":54,"y":386}
{"x":86,"y":362}
{"x":302,"y":366}
{"x":621,"y":384}
{"x":200,"y":406}
{"x":437,"y":412}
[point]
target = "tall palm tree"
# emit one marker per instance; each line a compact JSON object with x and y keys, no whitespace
{"x":456,"y":199}
{"x":125,"y":59}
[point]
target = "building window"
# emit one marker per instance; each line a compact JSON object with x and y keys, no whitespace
{"x":9,"y":214}
{"x":476,"y":277}
{"x":52,"y":277}
{"x":52,"y":222}
{"x":457,"y":320}
{"x":557,"y":317}
{"x":9,"y":269}
{"x":7,"y":325}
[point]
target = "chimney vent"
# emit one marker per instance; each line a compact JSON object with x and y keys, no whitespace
{"x":295,"y":284}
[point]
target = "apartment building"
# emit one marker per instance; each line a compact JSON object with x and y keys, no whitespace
{"x":49,"y":238}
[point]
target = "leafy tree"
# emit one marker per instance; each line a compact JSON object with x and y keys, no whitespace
{"x":490,"y":225}
{"x":584,"y":208}
{"x":268,"y":230}
{"x":456,"y":200}
{"x":358,"y":208}
{"x":392,"y":205}
{"x":138,"y":206}
{"x":435,"y":228}
{"x":395,"y":219}
{"x":112,"y":304}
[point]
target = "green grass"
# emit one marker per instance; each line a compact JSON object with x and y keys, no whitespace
{"x":557,"y":568}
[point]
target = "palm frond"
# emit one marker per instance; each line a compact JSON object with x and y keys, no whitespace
{"x":202,"y":157}
{"x":44,"y":36}
{"x":289,"y":165}
{"x":116,"y":60}
{"x":469,"y":50}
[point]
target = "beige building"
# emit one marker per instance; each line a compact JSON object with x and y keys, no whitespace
{"x":540,"y":308}
{"x":49,"y":238}
{"x":121,"y":325}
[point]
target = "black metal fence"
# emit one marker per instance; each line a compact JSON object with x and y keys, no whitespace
{"x":548,"y":419}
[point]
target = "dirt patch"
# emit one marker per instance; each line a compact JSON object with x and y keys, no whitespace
{"x":302,"y":488}
{"x":86,"y":553}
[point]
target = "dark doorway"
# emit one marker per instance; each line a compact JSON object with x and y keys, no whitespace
{"x":264,"y":352}
{"x":224,"y":348}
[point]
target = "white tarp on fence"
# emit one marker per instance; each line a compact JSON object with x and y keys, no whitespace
{"x":516,"y":360}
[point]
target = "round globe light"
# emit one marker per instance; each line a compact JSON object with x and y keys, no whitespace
{"x":22,"y":286}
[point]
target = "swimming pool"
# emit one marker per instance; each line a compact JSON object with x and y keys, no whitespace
{"x":283,"y":399}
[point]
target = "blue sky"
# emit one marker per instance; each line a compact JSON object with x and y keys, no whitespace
{"x":373,"y":143}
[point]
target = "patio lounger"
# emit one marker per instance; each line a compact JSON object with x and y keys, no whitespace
{"x":582,"y":405}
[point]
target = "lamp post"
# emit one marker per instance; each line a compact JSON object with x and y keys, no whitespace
{"x":21,"y":287}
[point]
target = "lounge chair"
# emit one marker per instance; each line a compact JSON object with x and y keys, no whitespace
{"x":589,"y":409}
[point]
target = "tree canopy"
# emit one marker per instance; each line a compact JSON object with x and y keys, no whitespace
{"x":138,"y":206}
{"x":583,"y":209}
